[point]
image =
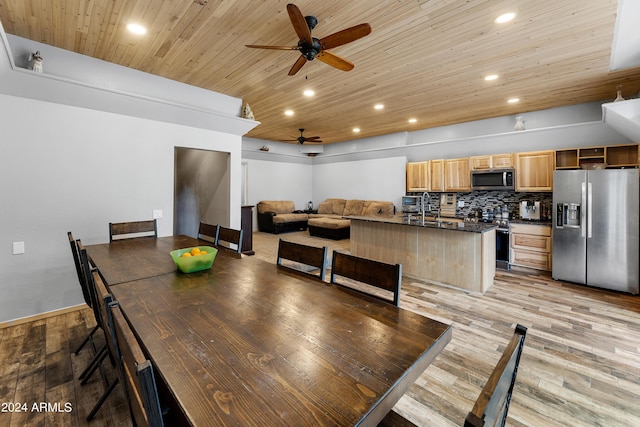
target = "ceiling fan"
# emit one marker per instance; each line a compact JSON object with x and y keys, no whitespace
{"x":302,"y":139}
{"x":311,"y":47}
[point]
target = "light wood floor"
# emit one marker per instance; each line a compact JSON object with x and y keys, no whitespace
{"x":580,"y":366}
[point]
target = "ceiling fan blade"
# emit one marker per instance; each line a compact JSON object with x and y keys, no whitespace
{"x":345,"y":36}
{"x":299,"y":24}
{"x":335,"y":61}
{"x":314,"y":141}
{"x":257,"y":46}
{"x":299,"y":63}
{"x":311,"y":138}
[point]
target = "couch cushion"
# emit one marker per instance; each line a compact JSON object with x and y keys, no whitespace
{"x":319,"y":215}
{"x":374,"y":208}
{"x":325,"y":208}
{"x":337,"y":205}
{"x":290,"y":217}
{"x":353,"y":207}
{"x":331,"y":223}
{"x":277,"y":206}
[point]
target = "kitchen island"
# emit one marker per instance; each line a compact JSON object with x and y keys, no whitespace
{"x":459,"y":254}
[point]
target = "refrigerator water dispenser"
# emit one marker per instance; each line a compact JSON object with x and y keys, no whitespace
{"x":568,"y":215}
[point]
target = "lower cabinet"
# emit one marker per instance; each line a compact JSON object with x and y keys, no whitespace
{"x":531,"y":246}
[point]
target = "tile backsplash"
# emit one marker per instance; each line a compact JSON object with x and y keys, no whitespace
{"x":493,"y":199}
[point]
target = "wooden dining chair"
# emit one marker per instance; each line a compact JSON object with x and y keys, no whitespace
{"x":394,"y":419}
{"x":103,"y":298}
{"x":303,"y":257}
{"x":371,"y":275}
{"x":133,"y":229}
{"x":136,"y":373}
{"x":207,"y":232}
{"x":85,"y":292}
{"x":492,"y":405}
{"x":229,"y":235}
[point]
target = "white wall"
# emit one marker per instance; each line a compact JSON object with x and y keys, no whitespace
{"x":376,"y":179}
{"x":66,"y":168}
{"x":270,"y":180}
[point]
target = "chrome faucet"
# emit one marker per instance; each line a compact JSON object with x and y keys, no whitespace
{"x":426,"y":199}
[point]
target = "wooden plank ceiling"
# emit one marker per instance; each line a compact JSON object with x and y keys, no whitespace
{"x":425,"y":59}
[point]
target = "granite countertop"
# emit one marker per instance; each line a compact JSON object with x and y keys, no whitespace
{"x":443,"y":224}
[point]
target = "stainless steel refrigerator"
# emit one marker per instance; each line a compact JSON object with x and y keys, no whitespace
{"x":596,"y":231}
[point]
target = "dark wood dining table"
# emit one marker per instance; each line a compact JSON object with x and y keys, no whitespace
{"x":248,"y":343}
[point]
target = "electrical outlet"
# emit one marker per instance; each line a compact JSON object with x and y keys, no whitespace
{"x":18,"y":248}
{"x":461,"y":203}
{"x":157,"y":214}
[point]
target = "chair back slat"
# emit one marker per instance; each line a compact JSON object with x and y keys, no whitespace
{"x":133,"y":229}
{"x":374,"y":273}
{"x":207,"y":232}
{"x":492,"y":405}
{"x":136,"y":373}
{"x":104,"y":298}
{"x":87,"y":268}
{"x":79,"y":271}
{"x":309,"y":255}
{"x":229,"y":235}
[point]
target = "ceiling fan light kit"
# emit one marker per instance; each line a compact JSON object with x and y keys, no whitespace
{"x":311,"y":48}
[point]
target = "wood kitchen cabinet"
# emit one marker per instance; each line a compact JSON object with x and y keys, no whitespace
{"x":613,"y":156}
{"x":480,"y":162}
{"x":437,"y":175}
{"x":534,"y":170}
{"x":457,"y":176}
{"x":493,"y":161}
{"x":530,"y":246}
{"x":418,"y":176}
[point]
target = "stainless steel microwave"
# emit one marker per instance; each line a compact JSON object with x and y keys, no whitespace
{"x":493,"y":179}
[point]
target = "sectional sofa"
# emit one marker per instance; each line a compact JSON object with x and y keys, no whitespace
{"x":329,"y":221}
{"x":276,"y":216}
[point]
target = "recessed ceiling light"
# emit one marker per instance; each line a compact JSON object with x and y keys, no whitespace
{"x":491,"y":77}
{"x":378,"y":106}
{"x":136,"y":29}
{"x":505,"y":17}
{"x":356,"y":130}
{"x":413,"y":120}
{"x":288,"y":113}
{"x":513,"y":100}
{"x":308,"y":92}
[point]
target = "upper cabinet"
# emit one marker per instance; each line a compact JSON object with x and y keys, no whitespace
{"x":418,"y":177}
{"x":437,"y":175}
{"x":502,"y":161}
{"x":480,"y":163}
{"x":534,"y":170}
{"x":618,"y":156}
{"x":457,"y":176}
{"x":495,"y":161}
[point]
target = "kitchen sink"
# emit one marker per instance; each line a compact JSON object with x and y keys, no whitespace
{"x":419,"y":221}
{"x":438,"y":222}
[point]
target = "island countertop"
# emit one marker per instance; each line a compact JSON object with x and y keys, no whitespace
{"x":442,"y":224}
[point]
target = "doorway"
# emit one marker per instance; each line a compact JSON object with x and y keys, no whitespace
{"x":201,"y":189}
